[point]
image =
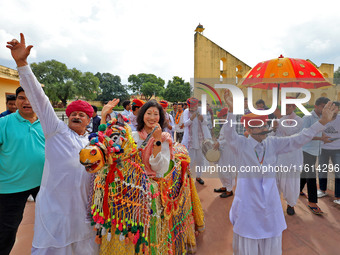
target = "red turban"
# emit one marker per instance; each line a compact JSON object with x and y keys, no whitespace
{"x":192,"y":101}
{"x":81,"y":106}
{"x":253,"y":120}
{"x":137,"y":102}
{"x":163,"y":103}
{"x":223,"y":112}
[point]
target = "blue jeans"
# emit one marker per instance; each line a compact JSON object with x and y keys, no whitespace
{"x":324,"y":163}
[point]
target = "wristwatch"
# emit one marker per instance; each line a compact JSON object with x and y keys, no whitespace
{"x":157,"y":143}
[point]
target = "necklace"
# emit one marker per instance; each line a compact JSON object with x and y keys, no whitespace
{"x":178,"y":117}
{"x":264,"y":153}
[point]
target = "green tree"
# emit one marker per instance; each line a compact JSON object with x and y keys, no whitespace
{"x":337,"y":76}
{"x":111,"y":87}
{"x":137,"y":81}
{"x":61,"y":83}
{"x":149,"y":89}
{"x":177,"y":90}
{"x":86,"y":84}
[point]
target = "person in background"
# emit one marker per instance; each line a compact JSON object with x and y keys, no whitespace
{"x":10,"y":105}
{"x":195,"y":132}
{"x":95,"y":121}
{"x":179,"y":124}
{"x":22,"y":157}
{"x":330,"y":151}
{"x":127,"y":108}
{"x":185,"y":106}
{"x":136,"y":105}
{"x":261,"y":105}
{"x":240,"y":129}
{"x":311,"y":151}
{"x":210,"y":119}
{"x":174,"y":110}
{"x":169,"y":125}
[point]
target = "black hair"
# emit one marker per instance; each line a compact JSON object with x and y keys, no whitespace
{"x":19,"y":89}
{"x":10,"y":98}
{"x":94,"y":108}
{"x":260,"y":101}
{"x":126,"y":103}
{"x":145,"y":107}
{"x":180,"y":104}
{"x":322,"y":100}
{"x":175,"y":104}
{"x":134,"y":107}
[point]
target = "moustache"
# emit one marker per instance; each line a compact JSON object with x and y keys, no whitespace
{"x":76,"y":121}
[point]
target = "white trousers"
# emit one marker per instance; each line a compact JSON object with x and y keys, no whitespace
{"x":247,"y":246}
{"x":289,"y":184}
{"x":85,"y":247}
{"x":197,"y":161}
{"x":227,"y":179}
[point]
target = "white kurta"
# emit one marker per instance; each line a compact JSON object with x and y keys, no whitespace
{"x":160,"y":163}
{"x":227,"y":161}
{"x":256,"y":211}
{"x":133,"y":121}
{"x":60,"y":212}
{"x":289,"y":182}
{"x":171,"y":122}
{"x":192,"y":141}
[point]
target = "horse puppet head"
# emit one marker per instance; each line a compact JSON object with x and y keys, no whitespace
{"x":105,"y":145}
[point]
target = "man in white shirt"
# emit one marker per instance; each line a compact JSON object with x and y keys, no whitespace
{"x":61,"y":209}
{"x":127,"y":108}
{"x":330,"y":151}
{"x":195,"y":132}
{"x":256,"y":212}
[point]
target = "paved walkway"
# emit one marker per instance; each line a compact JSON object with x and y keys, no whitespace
{"x":306,"y":233}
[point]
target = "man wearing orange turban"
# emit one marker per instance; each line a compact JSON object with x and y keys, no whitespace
{"x":256,"y":213}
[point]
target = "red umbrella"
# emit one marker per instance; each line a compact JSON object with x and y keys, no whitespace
{"x":284,"y":72}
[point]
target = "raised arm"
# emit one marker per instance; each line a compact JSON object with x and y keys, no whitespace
{"x":107,"y":109}
{"x":33,"y":90}
{"x":287,"y":144}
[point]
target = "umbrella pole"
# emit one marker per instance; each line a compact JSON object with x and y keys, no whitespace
{"x":278,"y":94}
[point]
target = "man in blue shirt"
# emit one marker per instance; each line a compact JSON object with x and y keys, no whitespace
{"x":10,"y":104}
{"x":22,"y":157}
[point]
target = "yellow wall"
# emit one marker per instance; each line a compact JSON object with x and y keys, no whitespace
{"x":213,"y":65}
{"x":9,"y":82}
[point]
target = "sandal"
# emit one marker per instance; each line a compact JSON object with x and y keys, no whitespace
{"x":226,"y":194}
{"x":220,"y":190}
{"x":316,"y":210}
{"x":303,"y":194}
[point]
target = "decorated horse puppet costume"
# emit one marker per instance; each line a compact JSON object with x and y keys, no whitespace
{"x":132,"y":212}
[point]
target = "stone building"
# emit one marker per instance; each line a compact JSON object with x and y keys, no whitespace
{"x":9,"y":82}
{"x":214,"y":65}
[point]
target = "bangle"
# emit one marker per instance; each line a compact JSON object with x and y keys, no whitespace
{"x":157,"y":143}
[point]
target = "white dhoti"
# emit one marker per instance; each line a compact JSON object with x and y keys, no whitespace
{"x":248,"y":246}
{"x":288,"y":178}
{"x":84,"y":247}
{"x":198,"y":163}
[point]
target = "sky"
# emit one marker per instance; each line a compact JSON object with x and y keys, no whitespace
{"x":125,"y":37}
